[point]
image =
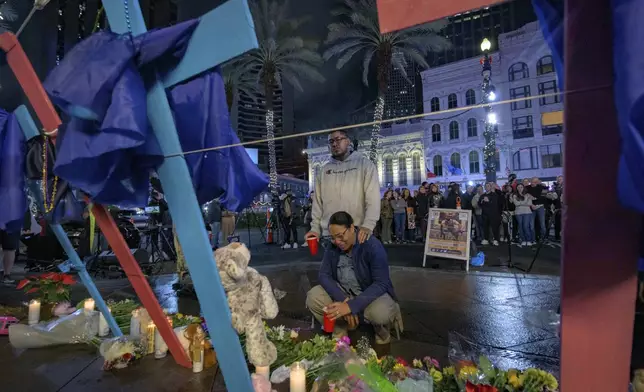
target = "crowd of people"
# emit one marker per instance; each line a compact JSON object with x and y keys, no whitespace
{"x":521,"y":211}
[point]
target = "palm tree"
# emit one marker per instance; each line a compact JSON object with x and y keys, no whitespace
{"x":282,"y":56}
{"x":239,"y":78}
{"x":359,"y":31}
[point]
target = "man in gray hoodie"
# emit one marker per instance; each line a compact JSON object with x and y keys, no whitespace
{"x":349,"y":182}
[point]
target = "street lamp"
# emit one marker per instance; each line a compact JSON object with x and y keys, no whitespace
{"x":489,"y":95}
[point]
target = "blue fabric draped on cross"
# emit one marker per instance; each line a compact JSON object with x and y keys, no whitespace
{"x":628,"y":63}
{"x":12,"y":176}
{"x":107,"y":149}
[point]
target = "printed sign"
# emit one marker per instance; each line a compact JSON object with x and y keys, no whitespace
{"x":448,"y":234}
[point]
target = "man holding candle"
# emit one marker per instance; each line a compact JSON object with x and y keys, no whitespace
{"x":355,"y":285}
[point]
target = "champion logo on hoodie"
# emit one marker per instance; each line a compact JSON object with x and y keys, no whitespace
{"x":331,"y":171}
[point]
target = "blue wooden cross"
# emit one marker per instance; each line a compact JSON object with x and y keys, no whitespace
{"x":222,"y":34}
{"x":29,"y":129}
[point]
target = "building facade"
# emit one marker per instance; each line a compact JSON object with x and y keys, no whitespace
{"x":448,"y":144}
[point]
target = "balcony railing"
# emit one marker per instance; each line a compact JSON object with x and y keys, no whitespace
{"x":522,"y":133}
{"x":552,"y":130}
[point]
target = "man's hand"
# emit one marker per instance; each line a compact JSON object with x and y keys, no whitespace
{"x":310,"y":235}
{"x":363,"y":234}
{"x":337,"y":310}
{"x":352,"y":321}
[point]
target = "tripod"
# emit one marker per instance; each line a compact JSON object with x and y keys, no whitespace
{"x":510,"y":264}
{"x":252,"y":220}
{"x":551,"y":222}
{"x":157,"y":255}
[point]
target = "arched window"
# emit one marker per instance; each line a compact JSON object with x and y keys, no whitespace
{"x":415,"y":166}
{"x":455,"y":160}
{"x":452,"y":101}
{"x":438,"y":165}
{"x":402,"y":170}
{"x":518,"y":71}
{"x":453,"y":130}
{"x":470,"y":97}
{"x":545,"y":65}
{"x":436,"y":133}
{"x":472,"y":128}
{"x":389,"y":170}
{"x":475,"y":165}
{"x":435,"y":104}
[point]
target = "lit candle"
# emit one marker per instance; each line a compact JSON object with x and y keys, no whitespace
{"x":150,"y":337}
{"x":89,"y":304}
{"x":34,"y":311}
{"x":103,"y":328}
{"x":160,"y":348}
{"x":263,"y":371}
{"x":298,"y":377}
{"x":197,"y":358}
{"x":135,"y":324}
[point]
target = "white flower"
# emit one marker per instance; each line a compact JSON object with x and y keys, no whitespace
{"x":294,"y":334}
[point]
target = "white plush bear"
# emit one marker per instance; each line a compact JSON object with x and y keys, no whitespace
{"x":251,"y":300}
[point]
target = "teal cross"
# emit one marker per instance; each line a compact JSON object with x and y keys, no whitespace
{"x":222,"y":34}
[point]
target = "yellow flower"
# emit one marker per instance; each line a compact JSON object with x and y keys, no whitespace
{"x":449,"y":371}
{"x":436,"y":375}
{"x":294,"y":334}
{"x":514,"y":380}
{"x":417,"y":363}
{"x":467,"y":371}
{"x":179,"y":316}
{"x":399,"y":368}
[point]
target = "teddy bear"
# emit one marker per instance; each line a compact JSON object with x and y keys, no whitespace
{"x":250,"y":299}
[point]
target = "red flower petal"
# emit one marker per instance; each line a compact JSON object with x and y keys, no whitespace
{"x":22,"y":284}
{"x":35,"y":289}
{"x":68,"y":279}
{"x":48,"y":275}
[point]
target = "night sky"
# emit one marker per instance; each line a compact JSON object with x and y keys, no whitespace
{"x":320,"y":104}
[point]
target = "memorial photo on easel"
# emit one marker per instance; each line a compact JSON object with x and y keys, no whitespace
{"x":448,"y":233}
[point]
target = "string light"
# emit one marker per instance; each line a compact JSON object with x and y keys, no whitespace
{"x":489,"y":149}
{"x":272,"y":165}
{"x":60,"y":41}
{"x":375,"y":130}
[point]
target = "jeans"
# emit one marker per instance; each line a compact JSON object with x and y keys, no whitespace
{"x":289,"y":227}
{"x":215,"y":228}
{"x":540,"y":213}
{"x":479,"y":227}
{"x":526,"y":227}
{"x":400,"y":219}
{"x":385,"y":230}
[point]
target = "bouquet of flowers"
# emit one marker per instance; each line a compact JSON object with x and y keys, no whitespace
{"x":182,"y":320}
{"x":50,"y":287}
{"x":119,"y":352}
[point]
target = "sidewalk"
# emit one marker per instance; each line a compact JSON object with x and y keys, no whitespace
{"x":506,"y":315}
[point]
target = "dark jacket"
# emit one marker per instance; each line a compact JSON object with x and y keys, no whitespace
{"x":213,"y":213}
{"x":466,"y":201}
{"x":490,"y":207}
{"x":539,"y":193}
{"x":423,"y":204}
{"x":372,"y":272}
{"x":450,"y":201}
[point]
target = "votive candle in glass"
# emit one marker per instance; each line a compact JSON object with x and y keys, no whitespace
{"x":34,"y":311}
{"x":298,"y":377}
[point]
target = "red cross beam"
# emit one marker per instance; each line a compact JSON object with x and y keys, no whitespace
{"x":399,"y":14}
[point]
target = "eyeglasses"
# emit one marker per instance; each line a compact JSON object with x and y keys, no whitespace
{"x":339,"y":237}
{"x":336,"y":140}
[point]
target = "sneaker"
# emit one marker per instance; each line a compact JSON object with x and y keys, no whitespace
{"x":305,"y":245}
{"x":7,"y":280}
{"x":502,"y":239}
{"x":524,"y":243}
{"x":295,"y":245}
{"x":286,"y":246}
{"x":484,"y":242}
{"x":495,"y":243}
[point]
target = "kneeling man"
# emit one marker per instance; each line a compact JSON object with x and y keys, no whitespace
{"x":354,"y":283}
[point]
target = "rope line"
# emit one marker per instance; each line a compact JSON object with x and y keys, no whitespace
{"x":388,"y":121}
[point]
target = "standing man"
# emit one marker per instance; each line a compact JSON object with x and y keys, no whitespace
{"x":288,"y":214}
{"x":213,"y":218}
{"x":349,"y":182}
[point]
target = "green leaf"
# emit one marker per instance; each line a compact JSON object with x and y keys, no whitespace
{"x":487,"y":368}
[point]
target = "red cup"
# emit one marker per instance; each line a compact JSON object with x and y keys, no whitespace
{"x":313,"y":245}
{"x":328,"y":323}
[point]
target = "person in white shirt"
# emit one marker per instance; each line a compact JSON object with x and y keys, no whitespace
{"x":349,"y":182}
